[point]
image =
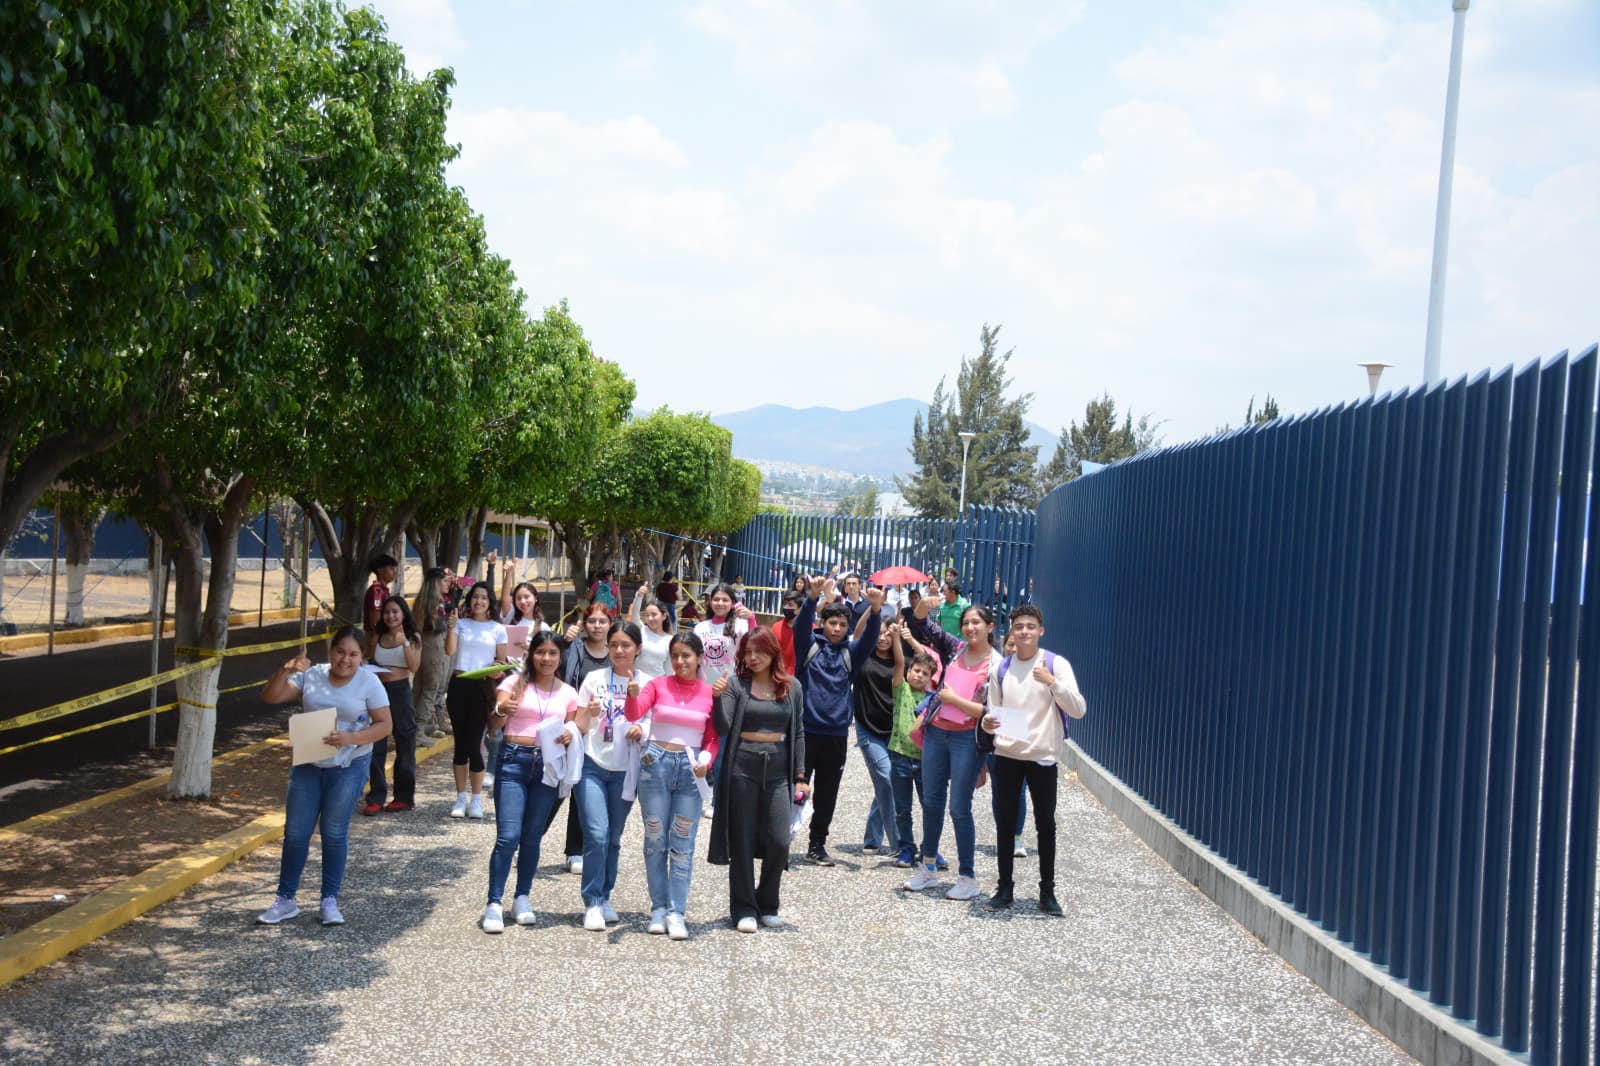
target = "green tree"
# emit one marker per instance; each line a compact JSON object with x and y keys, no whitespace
{"x":275,"y":401}
{"x":131,"y":144}
{"x":1253,"y":417}
{"x":1100,"y":438}
{"x":861,"y":503}
{"x":1000,"y":464}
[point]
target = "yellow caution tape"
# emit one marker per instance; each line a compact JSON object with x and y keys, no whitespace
{"x":114,"y":721}
{"x":208,"y":659}
{"x":110,"y":695}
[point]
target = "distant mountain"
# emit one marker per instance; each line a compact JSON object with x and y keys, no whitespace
{"x":874,"y":441}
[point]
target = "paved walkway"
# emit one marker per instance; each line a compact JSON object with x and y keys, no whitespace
{"x":1142,"y":969}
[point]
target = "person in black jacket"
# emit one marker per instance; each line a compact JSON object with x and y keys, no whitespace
{"x":758,"y":715}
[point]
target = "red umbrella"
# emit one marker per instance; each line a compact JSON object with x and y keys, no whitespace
{"x":899,"y":575}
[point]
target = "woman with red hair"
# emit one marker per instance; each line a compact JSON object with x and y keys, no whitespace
{"x":758,"y":715}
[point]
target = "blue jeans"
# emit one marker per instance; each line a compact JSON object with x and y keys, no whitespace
{"x":994,"y":801}
{"x":949,"y":772}
{"x":522,"y":803}
{"x":320,"y":795}
{"x":880,"y":820}
{"x":603,"y":813}
{"x":670,"y":805}
{"x":905,"y":774}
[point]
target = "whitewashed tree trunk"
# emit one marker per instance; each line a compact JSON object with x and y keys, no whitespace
{"x":75,"y":576}
{"x":203,"y":628}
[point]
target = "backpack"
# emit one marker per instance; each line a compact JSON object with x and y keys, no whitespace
{"x":1050,"y":665}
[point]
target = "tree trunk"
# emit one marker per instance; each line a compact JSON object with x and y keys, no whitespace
{"x":202,"y":627}
{"x":433,"y":678}
{"x":576,"y":548}
{"x":24,"y":477}
{"x":450,"y":536}
{"x":349,"y":546}
{"x":477,"y":523}
{"x":79,"y":523}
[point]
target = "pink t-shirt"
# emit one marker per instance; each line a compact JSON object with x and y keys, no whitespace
{"x":969,"y":683}
{"x":537,"y":704}
{"x":679,"y":711}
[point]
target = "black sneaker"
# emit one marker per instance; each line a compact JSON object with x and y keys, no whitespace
{"x":1001,"y":898}
{"x":1047,"y":902}
{"x":818,"y":855}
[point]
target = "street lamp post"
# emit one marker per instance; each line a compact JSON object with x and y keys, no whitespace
{"x":1441,"y":222}
{"x":1374,"y":372}
{"x":966,"y":436}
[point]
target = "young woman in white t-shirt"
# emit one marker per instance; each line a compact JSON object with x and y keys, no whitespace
{"x":324,"y":792}
{"x":602,"y":802}
{"x":653,"y":622}
{"x":473,"y":642}
{"x":721,"y":633}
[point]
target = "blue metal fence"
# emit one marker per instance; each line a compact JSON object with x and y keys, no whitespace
{"x":991,"y":548}
{"x":1351,"y":652}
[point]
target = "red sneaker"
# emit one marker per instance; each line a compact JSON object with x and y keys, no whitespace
{"x":400,"y":805}
{"x":372,"y":808}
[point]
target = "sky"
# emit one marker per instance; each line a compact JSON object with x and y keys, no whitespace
{"x":1183,"y":204}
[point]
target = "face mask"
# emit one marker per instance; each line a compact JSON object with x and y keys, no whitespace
{"x":789,"y":613}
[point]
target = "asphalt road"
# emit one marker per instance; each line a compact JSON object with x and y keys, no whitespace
{"x":1143,"y":968}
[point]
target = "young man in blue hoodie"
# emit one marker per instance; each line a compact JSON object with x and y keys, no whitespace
{"x":826,"y":664}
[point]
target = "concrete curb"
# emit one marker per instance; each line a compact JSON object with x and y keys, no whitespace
{"x":1419,"y":1027}
{"x":66,"y":931}
{"x":94,"y":634}
{"x":61,"y":814}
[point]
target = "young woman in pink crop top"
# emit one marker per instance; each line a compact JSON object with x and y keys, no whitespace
{"x":522,"y":800}
{"x":672,"y":774}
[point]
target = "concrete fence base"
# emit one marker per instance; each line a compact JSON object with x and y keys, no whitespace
{"x":1419,"y":1027}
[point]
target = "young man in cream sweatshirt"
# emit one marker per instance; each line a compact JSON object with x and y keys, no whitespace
{"x":1037,"y":692}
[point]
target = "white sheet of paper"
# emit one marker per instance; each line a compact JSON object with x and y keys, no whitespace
{"x":306,"y":731}
{"x":1013,"y":723}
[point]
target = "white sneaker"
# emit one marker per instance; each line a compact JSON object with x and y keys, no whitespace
{"x":493,"y":920}
{"x":658,"y":923}
{"x":676,"y":929}
{"x":330,"y":912}
{"x":772,"y":921}
{"x":475,"y":808}
{"x":574,"y":864}
{"x":609,"y":913}
{"x":747,"y":924}
{"x":522,"y":909}
{"x":1019,"y":852}
{"x":594,"y":920}
{"x":460,"y":809}
{"x":964,"y":888}
{"x":488,"y":780}
{"x":925,"y":878}
{"x":282,"y":910}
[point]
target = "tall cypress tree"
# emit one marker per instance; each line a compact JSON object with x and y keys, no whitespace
{"x":1000,"y":464}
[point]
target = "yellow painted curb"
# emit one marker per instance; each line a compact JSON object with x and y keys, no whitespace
{"x":94,"y":634}
{"x":61,"y":814}
{"x":63,"y":933}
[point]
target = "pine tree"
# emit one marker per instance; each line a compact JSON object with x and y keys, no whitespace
{"x":1000,"y":462}
{"x":1098,"y":440}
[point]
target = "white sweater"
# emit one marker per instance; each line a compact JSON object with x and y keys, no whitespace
{"x":1043,"y":704}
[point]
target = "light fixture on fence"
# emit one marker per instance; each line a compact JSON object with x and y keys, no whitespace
{"x":1374,"y":372}
{"x":966,"y":436}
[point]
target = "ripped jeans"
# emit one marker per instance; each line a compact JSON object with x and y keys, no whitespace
{"x":669,"y":802}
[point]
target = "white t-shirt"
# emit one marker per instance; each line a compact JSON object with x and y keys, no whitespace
{"x":353,"y":703}
{"x":475,"y":643}
{"x":613,"y":695}
{"x":653,"y":659}
{"x":720,"y":648}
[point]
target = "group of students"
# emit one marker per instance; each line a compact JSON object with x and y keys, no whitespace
{"x":747,"y":720}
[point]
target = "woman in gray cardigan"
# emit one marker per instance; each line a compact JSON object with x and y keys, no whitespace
{"x":758,"y":715}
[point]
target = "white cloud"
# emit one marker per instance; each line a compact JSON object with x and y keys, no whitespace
{"x":426,"y":30}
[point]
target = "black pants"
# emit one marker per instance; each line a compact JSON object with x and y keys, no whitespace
{"x":760,"y":801}
{"x":467,"y":700}
{"x":825,"y":767}
{"x":574,"y":844}
{"x":1007,"y":780}
{"x":404,"y":718}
